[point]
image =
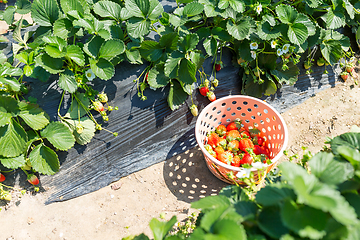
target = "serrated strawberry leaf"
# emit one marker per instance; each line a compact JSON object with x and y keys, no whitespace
{"x":64,"y":28}
{"x":78,"y":106}
{"x":8,"y":108}
{"x":33,"y":115}
{"x":51,"y":65}
{"x":177,"y":95}
{"x":12,"y":83}
{"x":14,"y":162}
{"x":44,"y":160}
{"x":56,"y":46}
{"x":334,"y":19}
{"x":59,"y":136}
{"x":13,"y":139}
{"x":155,"y":10}
{"x":187,"y":71}
{"x":75,"y":53}
{"x":88,"y":129}
{"x":314,"y":3}
{"x":108,"y":9}
{"x":331,"y":50}
{"x":138,"y":8}
{"x":133,"y":56}
{"x":241,"y":29}
{"x":169,"y":41}
{"x":45,"y":12}
{"x":67,"y":81}
{"x":92,"y":47}
{"x":288,"y":76}
{"x":286,"y":13}
{"x":111,"y":48}
{"x":297,"y":33}
{"x":138,"y":27}
{"x":151,"y":50}
{"x":157,"y":77}
{"x":193,"y":8}
{"x":8,"y":15}
{"x":102,"y":68}
{"x":210,"y":45}
{"x":160,"y":229}
{"x":72,"y":5}
{"x":188,"y":43}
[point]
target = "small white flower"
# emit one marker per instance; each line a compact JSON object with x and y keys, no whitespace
{"x":259,"y":165}
{"x":244,"y":173}
{"x":273,"y":44}
{"x":253,"y":54}
{"x":259,"y":9}
{"x":285,"y":48}
{"x":279,"y":52}
{"x":253,"y":46}
{"x":90,"y":75}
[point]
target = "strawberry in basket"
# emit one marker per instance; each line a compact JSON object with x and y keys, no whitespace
{"x":236,"y":146}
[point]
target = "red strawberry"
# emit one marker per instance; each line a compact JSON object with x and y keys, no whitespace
{"x":214,"y":139}
{"x":236,"y":162}
{"x":261,"y":150}
{"x":226,"y":157}
{"x":219,"y":150}
{"x":33,"y":179}
{"x":246,"y":159}
{"x":258,"y":140}
{"x":221,"y":130}
{"x":211,"y":96}
{"x":344,"y":75}
{"x":98,"y":106}
{"x":349,"y":69}
{"x":204,"y":90}
{"x":233,"y":145}
{"x":232,"y":135}
{"x":235,"y":125}
{"x":2,"y":177}
{"x":245,"y":143}
{"x":217,"y":67}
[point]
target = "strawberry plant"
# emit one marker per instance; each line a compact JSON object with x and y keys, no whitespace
{"x":315,"y":198}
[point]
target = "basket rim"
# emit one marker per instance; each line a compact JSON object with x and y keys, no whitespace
{"x":229,"y":167}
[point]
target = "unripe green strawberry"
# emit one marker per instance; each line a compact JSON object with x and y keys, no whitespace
{"x":307,"y":65}
{"x":110,"y":108}
{"x":194,"y":110}
{"x":206,"y":83}
{"x":105,"y":118}
{"x":98,"y":127}
{"x":79,"y":128}
{"x":320,"y":62}
{"x":215,"y":82}
{"x":6,"y":196}
{"x":102,"y":97}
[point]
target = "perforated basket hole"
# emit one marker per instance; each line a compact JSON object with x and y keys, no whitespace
{"x":211,"y":116}
{"x":266,"y":111}
{"x":256,"y":125}
{"x":267,"y":120}
{"x":263,"y":130}
{"x":274,"y":127}
{"x":259,"y":114}
{"x":269,"y":129}
{"x":234,"y":102}
{"x":243,"y":114}
{"x":247,"y":121}
{"x":218,"y":112}
{"x":213,"y":109}
{"x":223,"y":116}
{"x":223,"y":104}
{"x":238,"y":108}
{"x":233,"y":114}
{"x":228,"y":120}
{"x":249,"y":109}
{"x":274,"y":118}
{"x":253,"y":117}
{"x":262,"y":122}
{"x":206,"y":114}
{"x":269,"y":138}
{"x":245,"y":102}
{"x":279,"y":127}
{"x":228,"y":109}
{"x":215,"y":119}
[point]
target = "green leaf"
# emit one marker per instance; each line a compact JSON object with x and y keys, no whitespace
{"x":289,"y":76}
{"x":314,"y":3}
{"x":220,"y":34}
{"x":45,"y":12}
{"x":51,"y":65}
{"x":67,"y":81}
{"x":229,"y":229}
{"x":266,"y":30}
{"x":44,"y":160}
{"x":187,"y":71}
{"x":331,"y":51}
{"x":272,"y":195}
{"x":108,"y":9}
{"x":40,"y":74}
{"x":8,"y":15}
{"x":102,"y":68}
{"x":59,"y":136}
{"x":169,"y":41}
{"x":75,"y":53}
{"x":327,"y":169}
{"x":239,"y":30}
{"x":334,"y":19}
{"x":193,"y":8}
{"x":286,"y":13}
{"x":172,"y":64}
{"x":138,"y":27}
{"x":133,"y":56}
{"x":23,"y":57}
{"x":56,"y":46}
{"x":155,"y":10}
{"x":72,"y":5}
{"x":111,"y":48}
{"x":238,"y":6}
{"x":88,"y":129}
{"x":271,"y":223}
{"x":350,"y":154}
{"x":33,"y":115}
{"x":189,"y":42}
{"x":211,"y":217}
{"x":77,"y":106}
{"x":350,"y":139}
{"x":157,"y":78}
{"x":116,"y":32}
{"x":211,"y":202}
{"x":138,"y":8}
{"x":197,"y":58}
{"x":210,"y":46}
{"x":297,"y":218}
{"x":92,"y":47}
{"x":87,"y":23}
{"x":176,"y":96}
{"x":12,"y":83}
{"x":297,"y":33}
{"x":23,"y":6}
{"x":161,"y":229}
{"x":13,"y":139}
{"x":302,"y":18}
{"x":151,"y":50}
{"x":64,"y":28}
{"x":14,"y":162}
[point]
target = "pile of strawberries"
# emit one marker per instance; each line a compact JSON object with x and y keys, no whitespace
{"x":236,"y":146}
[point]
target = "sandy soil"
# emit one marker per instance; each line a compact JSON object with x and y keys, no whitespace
{"x":126,"y":207}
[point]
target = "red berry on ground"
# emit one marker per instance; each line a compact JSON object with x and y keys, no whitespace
{"x":2,"y":177}
{"x":33,"y":179}
{"x":217,"y":67}
{"x":204,"y":90}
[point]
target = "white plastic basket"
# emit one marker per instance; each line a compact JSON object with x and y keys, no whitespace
{"x":254,"y":113}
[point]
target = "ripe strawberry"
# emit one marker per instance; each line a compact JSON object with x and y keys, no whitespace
{"x":213,"y":139}
{"x":232,"y":135}
{"x":33,"y":179}
{"x":217,"y":67}
{"x":349,"y":68}
{"x":233,"y":145}
{"x":221,"y":130}
{"x":236,"y":162}
{"x":2,"y":177}
{"x":245,"y":143}
{"x":211,"y":96}
{"x":226,"y":157}
{"x":261,"y":150}
{"x":246,"y":159}
{"x":235,"y":125}
{"x":344,"y":75}
{"x":194,"y":110}
{"x":203,"y":90}
{"x":258,"y":140}
{"x":219,"y":150}
{"x":210,"y":150}
{"x":98,"y":106}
